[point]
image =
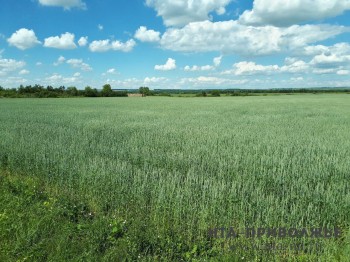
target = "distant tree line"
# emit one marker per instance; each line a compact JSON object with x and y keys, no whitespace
{"x":51,"y":92}
{"x":245,"y":92}
{"x":107,"y":91}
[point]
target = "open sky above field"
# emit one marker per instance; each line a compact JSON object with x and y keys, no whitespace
{"x":175,"y":44}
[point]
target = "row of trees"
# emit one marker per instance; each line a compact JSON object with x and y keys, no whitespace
{"x":107,"y":91}
{"x":62,"y":91}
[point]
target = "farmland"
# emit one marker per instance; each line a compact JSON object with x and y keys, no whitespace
{"x":145,"y":178}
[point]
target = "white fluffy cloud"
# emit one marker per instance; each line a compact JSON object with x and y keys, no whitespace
{"x":251,"y":68}
{"x":232,"y":37}
{"x":23,"y":39}
{"x":66,"y":4}
{"x":199,"y":68}
{"x":145,"y":35}
{"x":315,"y":59}
{"x":79,"y":63}
{"x":13,"y":81}
{"x":211,"y":82}
{"x":100,"y":46}
{"x":216,"y":63}
{"x":65,"y":41}
{"x":107,"y":45}
{"x":58,"y":80}
{"x":286,"y":13}
{"x":293,"y":65}
{"x":182,"y":12}
{"x":10,"y":65}
{"x":83,"y":41}
{"x":343,"y":72}
{"x":152,"y":82}
{"x":23,"y":72}
{"x":330,"y":60}
{"x":111,"y":71}
{"x":59,"y":61}
{"x":155,"y":80}
{"x":340,"y":49}
{"x":169,"y":65}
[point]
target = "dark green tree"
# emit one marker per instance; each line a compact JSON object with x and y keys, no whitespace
{"x":90,"y":92}
{"x":144,"y":91}
{"x":72,"y":91}
{"x":60,"y":89}
{"x":107,"y":90}
{"x":215,"y":92}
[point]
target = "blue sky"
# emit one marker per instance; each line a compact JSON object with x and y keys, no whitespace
{"x":175,"y":44}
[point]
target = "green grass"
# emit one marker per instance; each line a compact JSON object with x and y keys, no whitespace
{"x":145,"y":178}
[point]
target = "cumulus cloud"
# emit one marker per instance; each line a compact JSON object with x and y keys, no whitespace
{"x":297,"y":79}
{"x":24,"y":72}
{"x":232,"y":37}
{"x":112,"y":71}
{"x":79,"y":63}
{"x":216,"y":63}
{"x":339,"y":49}
{"x":154,"y":80}
{"x":329,"y":60}
{"x":125,"y":83}
{"x":251,"y":68}
{"x":14,"y":80}
{"x":324,"y":60}
{"x":59,"y":61}
{"x":248,"y":68}
{"x":57,"y":79}
{"x":107,"y":45}
{"x":286,"y":13}
{"x":66,"y":4}
{"x":343,"y":72}
{"x":324,"y":71}
{"x":23,"y":39}
{"x":293,"y":65}
{"x":145,"y":35}
{"x":211,"y":82}
{"x":10,"y":65}
{"x":169,"y":65}
{"x":100,"y":46}
{"x":65,"y":41}
{"x":182,"y":12}
{"x":83,"y":41}
{"x":199,"y":68}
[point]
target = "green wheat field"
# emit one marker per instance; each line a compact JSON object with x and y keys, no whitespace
{"x":144,"y":179}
